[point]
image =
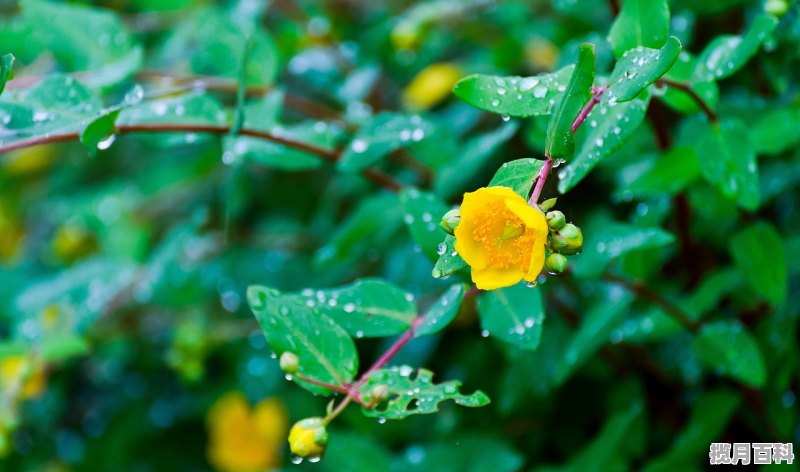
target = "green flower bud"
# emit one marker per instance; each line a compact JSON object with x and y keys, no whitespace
{"x":450,"y":220}
{"x":567,"y":240}
{"x":308,"y":438}
{"x":556,"y":263}
{"x":379,"y":393}
{"x":289,"y":362}
{"x":555,"y":219}
{"x":548,"y":204}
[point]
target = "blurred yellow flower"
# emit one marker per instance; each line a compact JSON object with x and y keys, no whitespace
{"x":11,"y":234}
{"x":431,"y":85}
{"x":242,"y":439}
{"x":30,"y":160}
{"x":541,"y":53}
{"x":72,"y":242}
{"x":501,"y":237}
{"x":22,"y":375}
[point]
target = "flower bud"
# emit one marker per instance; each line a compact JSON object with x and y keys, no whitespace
{"x":308,"y":438}
{"x":289,"y":362}
{"x":556,"y":263}
{"x":555,"y":219}
{"x":776,"y":7}
{"x":379,"y":393}
{"x":450,"y":220}
{"x":567,"y":240}
{"x":548,"y":204}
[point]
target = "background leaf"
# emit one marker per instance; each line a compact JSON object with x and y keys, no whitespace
{"x":640,"y":23}
{"x":760,"y":255}
{"x":514,"y":314}
{"x":731,"y":351}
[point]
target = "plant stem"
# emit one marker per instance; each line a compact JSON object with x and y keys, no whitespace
{"x":597,"y":93}
{"x":340,"y":408}
{"x":319,"y":383}
{"x":643,"y":291}
{"x":376,"y":176}
{"x":540,"y":180}
{"x":687,"y":89}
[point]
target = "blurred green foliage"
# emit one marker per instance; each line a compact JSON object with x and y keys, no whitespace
{"x":157,"y":158}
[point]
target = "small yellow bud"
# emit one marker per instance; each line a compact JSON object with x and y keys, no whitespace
{"x":379,"y":393}
{"x":450,"y":221}
{"x":556,"y":263}
{"x":555,"y":220}
{"x":289,"y":362}
{"x":308,"y":438}
{"x":567,"y":240}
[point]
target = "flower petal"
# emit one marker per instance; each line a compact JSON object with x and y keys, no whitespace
{"x":492,"y":279}
{"x":469,"y":249}
{"x":531,"y":217}
{"x":537,"y":260}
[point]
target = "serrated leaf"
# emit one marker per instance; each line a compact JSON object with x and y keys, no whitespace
{"x":423,"y":212}
{"x":449,"y":261}
{"x":519,"y":175}
{"x":640,"y":67}
{"x":513,"y":314}
{"x":383,"y":134}
{"x":366,"y":308}
{"x":606,"y":129}
{"x":512,"y":95}
{"x":559,"y":143}
{"x":98,"y":130}
{"x":726,"y":54}
{"x":415,"y":396}
{"x":640,"y":23}
{"x":6,"y":70}
{"x":607,"y":241}
{"x":442,"y":312}
{"x":730,"y":350}
{"x":477,"y":151}
{"x":727,"y":159}
{"x":760,"y":255}
{"x":325,"y":350}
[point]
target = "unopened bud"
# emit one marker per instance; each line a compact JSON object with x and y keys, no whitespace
{"x":450,"y":220}
{"x":556,"y":263}
{"x":567,"y":240}
{"x":308,"y":438}
{"x":548,"y":204}
{"x":379,"y":393}
{"x":289,"y":362}
{"x":555,"y":219}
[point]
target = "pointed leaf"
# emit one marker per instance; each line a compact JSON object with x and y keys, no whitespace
{"x":383,"y":134}
{"x":514,"y":314}
{"x":729,"y":349}
{"x":449,"y":261}
{"x":423,"y":212}
{"x":725,"y":55}
{"x":442,"y":312}
{"x":639,"y":68}
{"x":640,"y":23}
{"x":6,"y":71}
{"x":519,"y":175}
{"x":760,"y":255}
{"x":99,"y":129}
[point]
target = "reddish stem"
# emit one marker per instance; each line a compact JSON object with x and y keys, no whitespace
{"x":540,"y":180}
{"x":393,"y":349}
{"x":597,"y":92}
{"x":319,"y":383}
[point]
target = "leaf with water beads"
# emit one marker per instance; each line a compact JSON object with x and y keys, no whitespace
{"x":639,"y":68}
{"x":99,"y":134}
{"x":369,"y":307}
{"x":325,"y":350}
{"x":6,"y":71}
{"x":383,"y":134}
{"x":640,"y":23}
{"x":728,"y":53}
{"x":519,"y":175}
{"x":514,"y":96}
{"x":513,"y":314}
{"x":449,"y":261}
{"x":442,"y":312}
{"x":729,"y":349}
{"x":415,"y":396}
{"x":423,"y":212}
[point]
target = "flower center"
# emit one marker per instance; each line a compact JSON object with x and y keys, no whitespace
{"x":504,"y":237}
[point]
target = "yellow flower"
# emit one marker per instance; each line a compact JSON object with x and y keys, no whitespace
{"x":21,"y":374}
{"x":308,"y":438}
{"x":501,"y":237}
{"x":541,"y":53}
{"x":431,"y":85}
{"x":245,"y":440}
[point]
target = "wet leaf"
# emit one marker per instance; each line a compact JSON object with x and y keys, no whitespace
{"x":513,"y":314}
{"x":640,"y":23}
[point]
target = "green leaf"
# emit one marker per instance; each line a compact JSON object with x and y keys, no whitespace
{"x":449,"y":261}
{"x":609,"y":443}
{"x":519,"y":175}
{"x":514,"y":314}
{"x":325,"y":350}
{"x":606,"y":129}
{"x":279,"y":156}
{"x":415,"y":396}
{"x":383,"y":134}
{"x":610,"y":240}
{"x":192,"y":108}
{"x":514,"y":96}
{"x":559,"y":143}
{"x":710,"y":415}
{"x":640,"y":67}
{"x":6,"y":70}
{"x":683,"y":71}
{"x":442,"y":312}
{"x":774,"y":129}
{"x":726,"y":54}
{"x":671,"y":173}
{"x":98,"y":131}
{"x":366,"y":308}
{"x":473,"y":453}
{"x":423,"y":212}
{"x":760,"y":255}
{"x":730,"y":350}
{"x":355,"y":452}
{"x":640,"y":23}
{"x":727,"y":159}
{"x":63,"y":347}
{"x":454,"y":176}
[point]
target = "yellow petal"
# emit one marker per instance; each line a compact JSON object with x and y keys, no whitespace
{"x":431,"y":85}
{"x":271,"y":421}
{"x":537,"y":261}
{"x":492,"y":279}
{"x":531,"y":217}
{"x":469,"y":249}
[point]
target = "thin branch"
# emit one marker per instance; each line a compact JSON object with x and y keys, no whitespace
{"x":687,"y":89}
{"x":540,"y":180}
{"x":376,"y":176}
{"x":641,"y":290}
{"x":319,"y":383}
{"x":597,"y":92}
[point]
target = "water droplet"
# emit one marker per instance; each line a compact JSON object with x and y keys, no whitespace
{"x":505,"y":117}
{"x":296,"y":459}
{"x":408,"y":218}
{"x":349,"y":307}
{"x":359,"y":145}
{"x":417,"y":134}
{"x":540,"y":91}
{"x":106,"y":143}
{"x":495,"y":102}
{"x":359,"y":334}
{"x":441,"y":249}
{"x":531,"y":284}
{"x":485,"y":333}
{"x":134,"y":95}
